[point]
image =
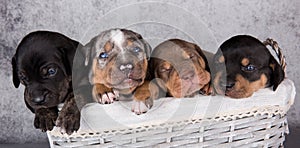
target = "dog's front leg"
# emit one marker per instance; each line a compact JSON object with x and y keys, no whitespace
{"x":45,"y":118}
{"x":103,"y":94}
{"x":207,"y":90}
{"x":144,"y":96}
{"x":69,"y":117}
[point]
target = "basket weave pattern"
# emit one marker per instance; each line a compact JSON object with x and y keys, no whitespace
{"x":259,"y":121}
{"x":247,"y":130}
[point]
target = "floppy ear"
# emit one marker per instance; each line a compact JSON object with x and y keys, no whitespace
{"x":154,"y":70}
{"x":147,"y":47}
{"x":68,"y":52}
{"x":88,"y":53}
{"x":203,"y":56}
{"x":278,"y":74}
{"x":16,"y":79}
{"x":160,"y":83}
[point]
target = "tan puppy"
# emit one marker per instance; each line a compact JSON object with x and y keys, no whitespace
{"x":181,"y":68}
{"x":119,"y":67}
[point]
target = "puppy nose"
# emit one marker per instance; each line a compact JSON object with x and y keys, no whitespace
{"x":126,"y":67}
{"x":227,"y":85}
{"x":38,"y":100}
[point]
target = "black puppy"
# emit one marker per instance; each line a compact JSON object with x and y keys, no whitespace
{"x":43,"y":64}
{"x":243,"y":65}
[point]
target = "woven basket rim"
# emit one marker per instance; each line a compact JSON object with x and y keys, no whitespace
{"x":224,"y":116}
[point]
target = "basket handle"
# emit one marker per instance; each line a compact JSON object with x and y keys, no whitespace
{"x":278,"y":52}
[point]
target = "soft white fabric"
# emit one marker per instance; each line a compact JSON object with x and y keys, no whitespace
{"x":97,"y":117}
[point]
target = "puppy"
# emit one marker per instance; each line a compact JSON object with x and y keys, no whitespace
{"x":119,"y":67}
{"x":180,"y":68}
{"x":244,"y":65}
{"x":43,"y":64}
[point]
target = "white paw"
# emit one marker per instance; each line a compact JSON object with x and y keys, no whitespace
{"x":117,"y":94}
{"x":62,"y":130}
{"x":139,"y":107}
{"x":108,"y":97}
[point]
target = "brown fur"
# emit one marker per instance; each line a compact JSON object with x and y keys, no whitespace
{"x":124,"y":70}
{"x":244,"y":88}
{"x":181,"y":67}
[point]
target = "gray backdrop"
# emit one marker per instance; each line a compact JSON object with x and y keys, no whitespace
{"x":206,"y":22}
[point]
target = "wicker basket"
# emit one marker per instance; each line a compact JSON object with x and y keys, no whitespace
{"x":202,"y":121}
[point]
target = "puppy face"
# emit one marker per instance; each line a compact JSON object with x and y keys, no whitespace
{"x":119,"y":59}
{"x":243,"y":65}
{"x":181,"y":67}
{"x":43,"y":64}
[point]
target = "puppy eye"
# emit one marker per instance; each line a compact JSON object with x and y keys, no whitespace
{"x":191,"y":55}
{"x":136,"y":49}
{"x":103,"y":55}
{"x":165,"y":69}
{"x":249,"y":68}
{"x":52,"y":72}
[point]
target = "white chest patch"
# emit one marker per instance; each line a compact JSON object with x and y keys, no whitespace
{"x":118,"y":38}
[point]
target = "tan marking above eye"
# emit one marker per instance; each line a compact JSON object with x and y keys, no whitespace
{"x":166,"y":65}
{"x":44,"y":71}
{"x":245,"y":61}
{"x":108,"y":46}
{"x":184,"y":53}
{"x":221,"y":59}
{"x":272,"y":66}
{"x":129,"y":42}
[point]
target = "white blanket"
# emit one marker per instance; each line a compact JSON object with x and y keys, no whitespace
{"x":97,"y":117}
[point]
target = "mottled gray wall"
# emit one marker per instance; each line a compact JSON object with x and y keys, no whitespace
{"x":207,"y":22}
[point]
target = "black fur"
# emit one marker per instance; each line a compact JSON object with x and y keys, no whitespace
{"x":43,"y":64}
{"x":244,"y":46}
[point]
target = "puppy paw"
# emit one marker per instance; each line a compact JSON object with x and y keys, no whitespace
{"x":69,"y":119}
{"x":144,"y":96}
{"x":104,"y":95}
{"x":107,"y":97}
{"x":206,"y":90}
{"x":140,"y":107}
{"x":45,"y":119}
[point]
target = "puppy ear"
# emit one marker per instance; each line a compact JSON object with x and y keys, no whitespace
{"x":203,"y":54}
{"x":68,"y":52}
{"x":278,"y":74}
{"x":160,"y":83}
{"x":88,"y":52}
{"x":16,"y":79}
{"x":147,"y":47}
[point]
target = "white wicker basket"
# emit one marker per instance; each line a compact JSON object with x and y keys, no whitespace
{"x":202,"y":121}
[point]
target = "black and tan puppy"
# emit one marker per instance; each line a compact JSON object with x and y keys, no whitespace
{"x":244,"y":65}
{"x":119,"y":67}
{"x":43,"y":64}
{"x":181,"y":68}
